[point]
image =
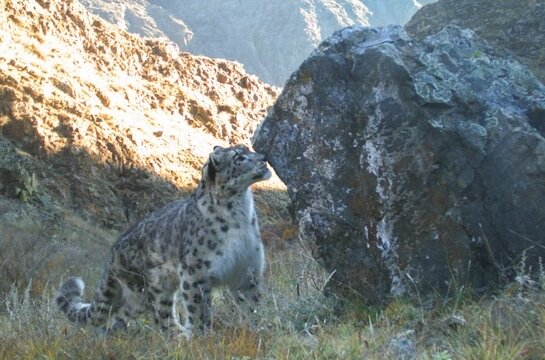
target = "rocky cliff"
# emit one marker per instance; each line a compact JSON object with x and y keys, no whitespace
{"x":271,"y":38}
{"x":511,"y":24}
{"x":412,"y":165}
{"x":105,"y":122}
{"x":386,"y":12}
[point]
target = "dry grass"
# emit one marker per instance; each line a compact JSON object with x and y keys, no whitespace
{"x":25,"y":259}
{"x":40,"y":245}
{"x":296,"y":320}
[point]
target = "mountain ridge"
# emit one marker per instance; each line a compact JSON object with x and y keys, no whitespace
{"x":271,"y":39}
{"x":101,"y":114}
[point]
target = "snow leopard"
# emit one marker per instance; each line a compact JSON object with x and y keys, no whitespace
{"x":178,"y":253}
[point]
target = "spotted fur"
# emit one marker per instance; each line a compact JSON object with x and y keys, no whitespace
{"x":181,"y":252}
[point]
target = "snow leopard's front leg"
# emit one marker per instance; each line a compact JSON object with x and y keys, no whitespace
{"x":162,"y":293}
{"x":196,"y":296}
{"x":248,"y":297}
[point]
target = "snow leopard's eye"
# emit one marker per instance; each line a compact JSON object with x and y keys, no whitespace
{"x":239,"y":157}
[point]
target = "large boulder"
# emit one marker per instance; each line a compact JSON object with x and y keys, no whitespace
{"x":412,"y":166}
{"x":516,"y":25}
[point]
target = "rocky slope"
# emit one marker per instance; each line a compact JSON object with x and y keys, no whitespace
{"x":412,"y":166}
{"x":511,"y":24}
{"x":271,"y":38}
{"x":386,"y":12}
{"x":107,"y":123}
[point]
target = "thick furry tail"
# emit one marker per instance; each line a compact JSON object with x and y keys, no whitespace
{"x":70,"y":302}
{"x":97,"y":312}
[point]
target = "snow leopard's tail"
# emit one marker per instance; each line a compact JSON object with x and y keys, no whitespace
{"x":69,"y":300}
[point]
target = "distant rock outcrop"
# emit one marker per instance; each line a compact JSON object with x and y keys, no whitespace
{"x":106,"y":121}
{"x":396,"y":12}
{"x":516,"y":25}
{"x":271,"y":38}
{"x":412,"y":165}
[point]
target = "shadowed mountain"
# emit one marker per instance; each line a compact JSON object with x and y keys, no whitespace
{"x":271,"y":38}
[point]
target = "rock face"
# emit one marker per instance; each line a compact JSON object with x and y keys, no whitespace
{"x":512,"y":24}
{"x":104,"y":121}
{"x":412,"y":165}
{"x":271,"y":38}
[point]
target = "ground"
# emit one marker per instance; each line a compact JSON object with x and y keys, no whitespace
{"x":296,"y":320}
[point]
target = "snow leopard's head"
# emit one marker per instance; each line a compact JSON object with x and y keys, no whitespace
{"x":235,"y":168}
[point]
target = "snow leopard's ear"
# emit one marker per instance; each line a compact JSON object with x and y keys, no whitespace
{"x":209,"y":171}
{"x":211,"y":167}
{"x":215,"y":157}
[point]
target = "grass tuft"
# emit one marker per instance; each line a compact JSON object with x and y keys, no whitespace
{"x":296,"y":320}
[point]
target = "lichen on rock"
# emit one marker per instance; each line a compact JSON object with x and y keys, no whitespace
{"x":411,"y":165}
